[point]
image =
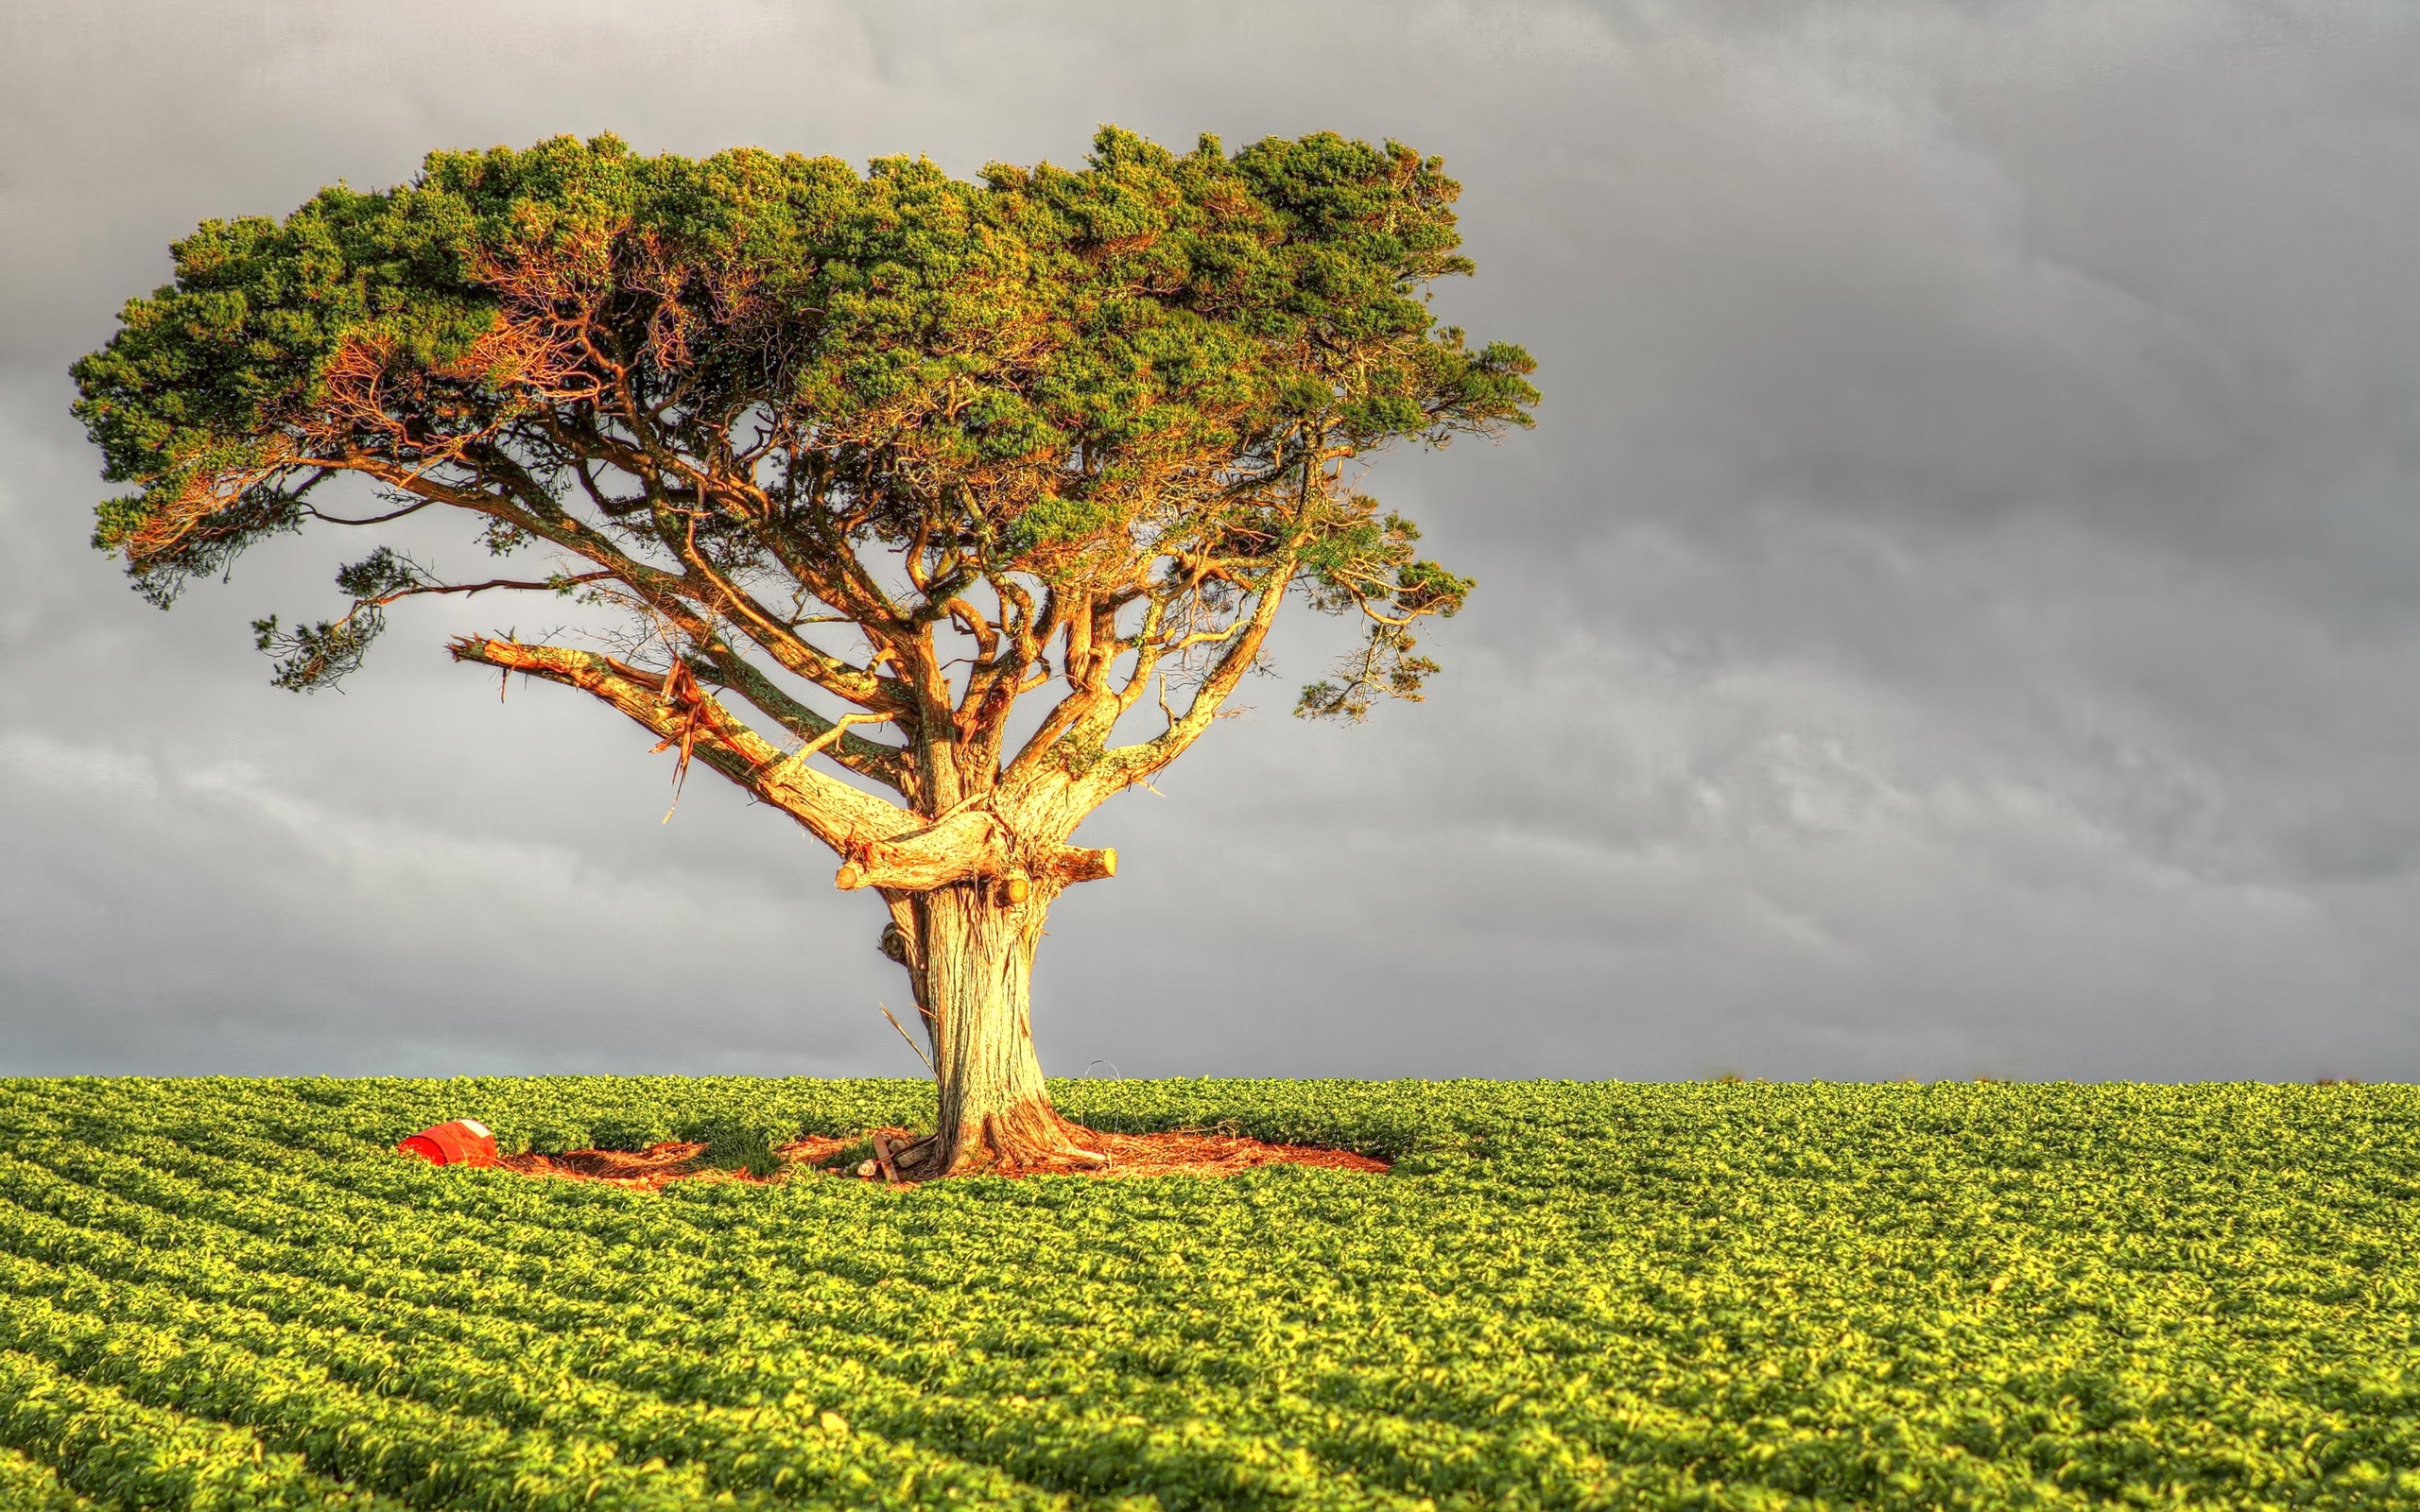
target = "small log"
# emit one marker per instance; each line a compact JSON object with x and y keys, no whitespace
{"x":1077,"y":864}
{"x":965,"y":845}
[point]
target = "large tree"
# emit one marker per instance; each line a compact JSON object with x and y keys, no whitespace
{"x":877,"y":456}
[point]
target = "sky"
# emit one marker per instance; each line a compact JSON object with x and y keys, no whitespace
{"x":1958,"y":614}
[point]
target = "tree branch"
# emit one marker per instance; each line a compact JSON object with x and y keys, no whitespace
{"x":1126,"y":765}
{"x":831,"y":810}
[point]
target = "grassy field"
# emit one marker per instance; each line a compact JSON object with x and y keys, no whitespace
{"x":233,"y":1293}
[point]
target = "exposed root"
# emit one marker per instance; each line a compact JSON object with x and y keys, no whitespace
{"x":1179,"y":1152}
{"x":645,"y":1169}
{"x":1176,"y":1152}
{"x":1191,"y":1152}
{"x":1029,"y":1139}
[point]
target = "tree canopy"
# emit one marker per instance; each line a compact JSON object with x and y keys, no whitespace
{"x":919,"y":445}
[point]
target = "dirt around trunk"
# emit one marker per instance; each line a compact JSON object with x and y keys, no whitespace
{"x":1177,"y":1152}
{"x":645,"y":1169}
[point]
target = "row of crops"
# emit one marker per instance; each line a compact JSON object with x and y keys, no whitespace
{"x":233,"y":1293}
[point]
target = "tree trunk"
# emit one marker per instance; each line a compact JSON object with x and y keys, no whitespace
{"x":972,"y":970}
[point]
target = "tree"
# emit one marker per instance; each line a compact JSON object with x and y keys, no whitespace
{"x":902,"y":445}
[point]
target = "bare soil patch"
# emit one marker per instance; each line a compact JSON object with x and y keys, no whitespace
{"x":1190,"y":1152}
{"x":1177,"y":1152}
{"x":647,"y":1169}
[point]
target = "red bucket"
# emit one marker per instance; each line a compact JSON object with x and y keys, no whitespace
{"x":464,"y":1142}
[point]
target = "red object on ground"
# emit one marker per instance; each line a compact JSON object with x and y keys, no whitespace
{"x":464,"y":1142}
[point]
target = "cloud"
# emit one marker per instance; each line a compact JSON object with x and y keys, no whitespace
{"x":244,"y":927}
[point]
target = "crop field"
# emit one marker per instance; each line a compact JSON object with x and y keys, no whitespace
{"x":234,"y":1293}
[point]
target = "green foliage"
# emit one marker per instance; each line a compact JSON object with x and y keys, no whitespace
{"x":738,"y":1145}
{"x":1367,"y":562}
{"x":311,"y":657}
{"x":223,"y":1293}
{"x":29,"y":1486}
{"x":1062,"y":373}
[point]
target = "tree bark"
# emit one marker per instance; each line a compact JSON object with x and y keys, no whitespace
{"x":971,"y":960}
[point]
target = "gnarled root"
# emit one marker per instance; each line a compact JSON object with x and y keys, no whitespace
{"x":1024,"y":1138}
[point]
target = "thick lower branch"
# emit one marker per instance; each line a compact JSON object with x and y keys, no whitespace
{"x":966,"y":845}
{"x":881,"y":763}
{"x":972,"y":846}
{"x":831,"y":810}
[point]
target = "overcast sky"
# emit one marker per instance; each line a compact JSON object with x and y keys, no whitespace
{"x":1959,"y":612}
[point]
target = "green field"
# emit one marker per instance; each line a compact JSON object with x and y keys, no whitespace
{"x":233,"y":1293}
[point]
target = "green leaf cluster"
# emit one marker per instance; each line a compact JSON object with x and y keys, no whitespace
{"x":227,"y":1293}
{"x":1051,"y":368}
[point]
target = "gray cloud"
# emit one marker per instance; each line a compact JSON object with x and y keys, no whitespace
{"x":1957,"y":614}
